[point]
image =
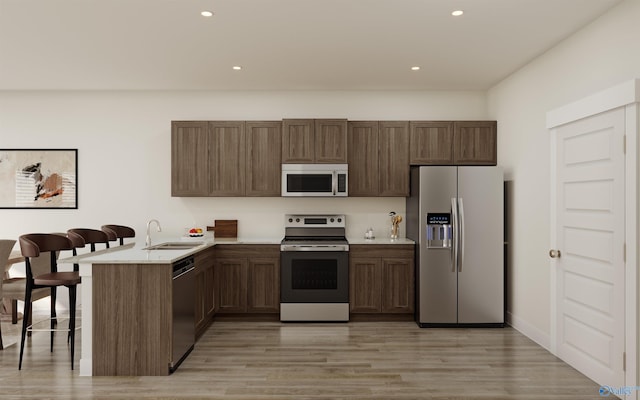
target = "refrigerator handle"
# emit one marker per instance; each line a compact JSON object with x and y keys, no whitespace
{"x":454,"y":213}
{"x":461,"y":241}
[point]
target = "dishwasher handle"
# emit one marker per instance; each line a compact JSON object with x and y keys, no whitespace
{"x":182,"y":267}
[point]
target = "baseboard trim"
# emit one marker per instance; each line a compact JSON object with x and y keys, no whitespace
{"x":530,"y":331}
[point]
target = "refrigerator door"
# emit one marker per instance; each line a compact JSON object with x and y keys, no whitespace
{"x":437,"y":277}
{"x":481,"y":271}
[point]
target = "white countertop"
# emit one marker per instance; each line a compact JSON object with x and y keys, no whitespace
{"x":249,"y":241}
{"x":362,"y":240}
{"x":134,"y":253}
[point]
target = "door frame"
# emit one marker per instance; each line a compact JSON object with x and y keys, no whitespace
{"x":627,"y":96}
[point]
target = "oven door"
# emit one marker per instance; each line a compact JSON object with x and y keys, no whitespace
{"x":314,"y":277}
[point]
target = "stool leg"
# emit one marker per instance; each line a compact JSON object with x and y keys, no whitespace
{"x":53,"y":321}
{"x":53,"y":306}
{"x":72,"y":318}
{"x":14,"y":311}
{"x":25,"y":319}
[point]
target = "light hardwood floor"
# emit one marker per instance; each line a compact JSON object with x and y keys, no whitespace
{"x":361,"y":360}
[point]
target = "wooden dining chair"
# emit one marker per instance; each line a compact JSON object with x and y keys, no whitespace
{"x":31,"y":246}
{"x":5,"y":250}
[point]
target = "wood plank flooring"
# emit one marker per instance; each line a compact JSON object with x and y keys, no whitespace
{"x":358,"y":360}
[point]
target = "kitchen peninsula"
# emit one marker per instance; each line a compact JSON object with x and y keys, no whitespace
{"x":127,"y":299}
{"x":127,"y":294}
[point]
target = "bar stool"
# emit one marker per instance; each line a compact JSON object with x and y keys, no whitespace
{"x":89,"y":236}
{"x":120,"y":232}
{"x":31,"y":245}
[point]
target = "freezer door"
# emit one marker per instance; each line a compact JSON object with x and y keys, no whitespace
{"x":437,"y":281}
{"x":481,"y":271}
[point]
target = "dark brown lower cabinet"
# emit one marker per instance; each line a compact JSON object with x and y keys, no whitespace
{"x":247,"y":278}
{"x":381,"y":279}
{"x":205,"y":290}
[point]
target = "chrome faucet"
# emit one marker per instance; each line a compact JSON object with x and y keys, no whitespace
{"x":148,"y":241}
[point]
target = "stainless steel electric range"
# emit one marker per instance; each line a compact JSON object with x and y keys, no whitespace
{"x":314,"y":269}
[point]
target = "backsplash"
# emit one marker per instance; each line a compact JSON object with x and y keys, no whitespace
{"x":261,"y":218}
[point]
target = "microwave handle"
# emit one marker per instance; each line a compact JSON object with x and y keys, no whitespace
{"x":334,"y":182}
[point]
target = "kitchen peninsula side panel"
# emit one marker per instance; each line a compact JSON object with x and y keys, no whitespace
{"x":131,"y":319}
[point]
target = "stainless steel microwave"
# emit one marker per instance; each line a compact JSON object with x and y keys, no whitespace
{"x":314,"y":180}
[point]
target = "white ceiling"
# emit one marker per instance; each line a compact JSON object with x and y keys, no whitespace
{"x":281,"y":44}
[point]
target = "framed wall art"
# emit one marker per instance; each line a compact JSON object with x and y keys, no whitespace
{"x":39,"y":178}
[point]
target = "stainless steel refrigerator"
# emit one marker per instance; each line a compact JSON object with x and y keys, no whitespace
{"x":455,"y":215}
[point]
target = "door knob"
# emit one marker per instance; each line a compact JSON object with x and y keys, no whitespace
{"x":554,"y":253}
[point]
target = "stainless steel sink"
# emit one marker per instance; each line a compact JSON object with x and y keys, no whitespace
{"x":174,"y":246}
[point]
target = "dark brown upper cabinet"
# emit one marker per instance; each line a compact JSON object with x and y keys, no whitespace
{"x":225,"y":158}
{"x":189,"y":157}
{"x":431,"y":143}
{"x":227,"y":149}
{"x":264,"y":147}
{"x":393,"y":151}
{"x":314,"y":141}
{"x":378,"y":158}
{"x":475,"y":143}
{"x":364,"y":161}
{"x":453,"y":143}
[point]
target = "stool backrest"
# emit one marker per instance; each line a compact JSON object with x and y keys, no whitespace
{"x":33,"y":243}
{"x":89,"y":236}
{"x":120,"y":231}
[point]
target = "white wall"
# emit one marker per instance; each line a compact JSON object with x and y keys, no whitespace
{"x":123,"y":142}
{"x":603,"y":54}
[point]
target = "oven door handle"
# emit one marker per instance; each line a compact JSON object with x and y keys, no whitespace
{"x":315,"y":247}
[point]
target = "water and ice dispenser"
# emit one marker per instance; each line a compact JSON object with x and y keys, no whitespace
{"x":439,"y":231}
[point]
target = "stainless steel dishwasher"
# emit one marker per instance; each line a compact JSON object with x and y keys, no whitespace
{"x":183,"y":316}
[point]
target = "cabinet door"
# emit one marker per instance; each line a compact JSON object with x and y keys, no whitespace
{"x":331,"y":141}
{"x":200,"y":319}
{"x":264,"y":153}
{"x":298,"y":141}
{"x":189,"y":175}
{"x":264,"y":285}
{"x":226,"y":158}
{"x":365,"y":279}
{"x":209,"y":292}
{"x":431,"y":143}
{"x":398,"y":293}
{"x":363,"y":158}
{"x":394,"y":158}
{"x":475,"y":143}
{"x":231,"y":276}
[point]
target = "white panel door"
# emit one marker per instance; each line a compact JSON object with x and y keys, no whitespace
{"x":590,"y":236}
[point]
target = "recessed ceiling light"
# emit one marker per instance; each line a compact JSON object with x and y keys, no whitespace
{"x":415,"y":68}
{"x":237,"y":67}
{"x":206,"y":14}
{"x":457,"y":13}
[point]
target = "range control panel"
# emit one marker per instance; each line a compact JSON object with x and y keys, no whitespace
{"x":314,"y":221}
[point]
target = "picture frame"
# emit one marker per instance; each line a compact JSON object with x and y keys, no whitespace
{"x":39,"y":178}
